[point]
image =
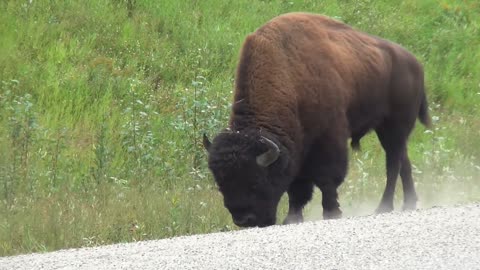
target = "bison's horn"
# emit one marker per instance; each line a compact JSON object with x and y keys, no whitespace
{"x":270,"y":156}
{"x":206,"y":142}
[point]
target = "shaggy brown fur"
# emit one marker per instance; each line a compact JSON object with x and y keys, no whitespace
{"x":309,"y":83}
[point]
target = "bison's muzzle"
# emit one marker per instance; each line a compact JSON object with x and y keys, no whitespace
{"x":247,"y":220}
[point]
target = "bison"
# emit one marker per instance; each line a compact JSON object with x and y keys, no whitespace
{"x":305,"y":84}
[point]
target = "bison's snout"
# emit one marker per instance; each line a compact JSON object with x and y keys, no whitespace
{"x":247,"y":220}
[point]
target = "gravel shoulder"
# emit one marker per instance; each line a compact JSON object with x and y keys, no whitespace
{"x":436,"y":238}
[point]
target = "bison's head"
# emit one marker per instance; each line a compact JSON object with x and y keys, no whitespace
{"x":249,"y":170}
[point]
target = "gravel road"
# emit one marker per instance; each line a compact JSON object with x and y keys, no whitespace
{"x":436,"y":238}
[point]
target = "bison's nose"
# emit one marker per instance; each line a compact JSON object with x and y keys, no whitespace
{"x":244,"y":220}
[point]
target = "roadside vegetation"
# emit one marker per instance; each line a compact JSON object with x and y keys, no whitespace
{"x":103,"y":103}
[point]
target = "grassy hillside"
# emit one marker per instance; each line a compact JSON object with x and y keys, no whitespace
{"x":103,"y":103}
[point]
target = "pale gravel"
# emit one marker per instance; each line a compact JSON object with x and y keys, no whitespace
{"x":436,"y":238}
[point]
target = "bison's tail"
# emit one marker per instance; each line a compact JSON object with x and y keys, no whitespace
{"x":423,"y":114}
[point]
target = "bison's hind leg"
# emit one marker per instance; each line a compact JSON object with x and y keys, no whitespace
{"x":409,"y":195}
{"x":299,"y":194}
{"x":394,"y":142}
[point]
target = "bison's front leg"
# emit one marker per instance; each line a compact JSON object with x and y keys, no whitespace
{"x":331,"y":207}
{"x":294,"y":216}
{"x":330,"y":162}
{"x":299,"y":194}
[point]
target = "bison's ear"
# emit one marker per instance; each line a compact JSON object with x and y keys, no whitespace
{"x":206,"y":142}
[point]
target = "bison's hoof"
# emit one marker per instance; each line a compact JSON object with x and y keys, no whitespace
{"x":332,"y":214}
{"x":293,"y":219}
{"x":384,"y":209}
{"x":409,"y":206}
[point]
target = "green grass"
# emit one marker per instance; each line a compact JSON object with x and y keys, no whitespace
{"x":103,"y":103}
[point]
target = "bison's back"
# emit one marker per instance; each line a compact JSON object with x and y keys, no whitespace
{"x":319,"y":44}
{"x":330,"y":67}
